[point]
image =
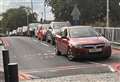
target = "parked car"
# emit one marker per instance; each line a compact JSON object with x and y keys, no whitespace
{"x":42,"y":30}
{"x":82,"y":42}
{"x":54,"y":29}
{"x":14,"y":33}
{"x":1,"y":42}
{"x":25,"y":30}
{"x":19,"y":31}
{"x":32,"y":27}
{"x":36,"y":30}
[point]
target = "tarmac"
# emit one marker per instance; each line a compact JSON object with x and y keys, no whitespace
{"x":68,"y":78}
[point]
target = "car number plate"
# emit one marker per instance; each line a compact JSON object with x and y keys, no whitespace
{"x":95,"y":50}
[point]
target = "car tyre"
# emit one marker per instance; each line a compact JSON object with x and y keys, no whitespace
{"x":107,"y":57}
{"x":70,"y":55}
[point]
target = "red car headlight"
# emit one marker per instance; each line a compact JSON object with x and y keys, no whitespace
{"x":76,"y":46}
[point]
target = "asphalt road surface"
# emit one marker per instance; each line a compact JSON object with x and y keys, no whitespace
{"x":38,"y":59}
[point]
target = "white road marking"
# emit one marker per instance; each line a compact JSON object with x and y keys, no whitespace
{"x":45,"y":54}
{"x":62,"y":68}
{"x":109,"y":66}
{"x":35,"y":40}
{"x":44,"y":44}
{"x":39,"y":54}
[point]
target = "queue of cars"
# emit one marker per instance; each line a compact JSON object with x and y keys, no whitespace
{"x":41,"y":31}
{"x":55,"y":29}
{"x":73,"y":41}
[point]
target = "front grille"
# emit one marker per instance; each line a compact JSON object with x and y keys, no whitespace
{"x":94,"y":46}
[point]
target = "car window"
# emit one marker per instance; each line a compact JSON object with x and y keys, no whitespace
{"x":83,"y":32}
{"x":60,"y":25}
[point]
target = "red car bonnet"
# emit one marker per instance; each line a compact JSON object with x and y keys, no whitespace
{"x":88,"y":40}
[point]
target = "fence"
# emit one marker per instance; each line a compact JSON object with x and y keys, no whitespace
{"x":111,"y":33}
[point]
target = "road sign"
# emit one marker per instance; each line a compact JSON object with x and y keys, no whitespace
{"x":75,"y":13}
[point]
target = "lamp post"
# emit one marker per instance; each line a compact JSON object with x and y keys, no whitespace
{"x":32,"y":6}
{"x":108,"y":10}
{"x":44,"y":11}
{"x":27,"y":19}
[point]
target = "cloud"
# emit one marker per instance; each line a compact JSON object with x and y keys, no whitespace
{"x":4,"y":4}
{"x":37,"y":4}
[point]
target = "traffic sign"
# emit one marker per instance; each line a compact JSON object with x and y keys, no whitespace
{"x":75,"y":13}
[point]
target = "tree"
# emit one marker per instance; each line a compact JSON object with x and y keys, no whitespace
{"x":16,"y":17}
{"x":91,"y":10}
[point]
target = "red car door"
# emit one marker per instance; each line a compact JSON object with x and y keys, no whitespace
{"x":64,"y":45}
{"x":64,"y":42}
{"x":58,"y":42}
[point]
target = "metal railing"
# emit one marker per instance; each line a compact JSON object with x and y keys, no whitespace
{"x":111,"y":33}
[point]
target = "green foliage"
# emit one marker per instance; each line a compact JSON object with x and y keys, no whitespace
{"x":16,"y":17}
{"x":91,"y":10}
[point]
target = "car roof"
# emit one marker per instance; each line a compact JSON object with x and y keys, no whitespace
{"x":61,"y":22}
{"x":46,"y":25}
{"x":76,"y":27}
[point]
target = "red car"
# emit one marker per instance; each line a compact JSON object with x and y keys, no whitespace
{"x":82,"y":42}
{"x":41,"y":34}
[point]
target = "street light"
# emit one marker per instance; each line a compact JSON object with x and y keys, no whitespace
{"x":27,"y":15}
{"x":107,"y":10}
{"x":44,"y":10}
{"x":32,"y":6}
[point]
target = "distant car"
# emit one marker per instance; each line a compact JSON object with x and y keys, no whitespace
{"x":2,"y":35}
{"x":82,"y":42}
{"x":32,"y":27}
{"x":13,"y":33}
{"x":54,"y":29}
{"x":25,"y":30}
{"x":1,"y":42}
{"x":42,"y":30}
{"x":19,"y":31}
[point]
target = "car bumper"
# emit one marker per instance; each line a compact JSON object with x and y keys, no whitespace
{"x":84,"y":53}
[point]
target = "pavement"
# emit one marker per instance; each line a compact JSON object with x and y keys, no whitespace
{"x":38,"y":63}
{"x":105,"y":77}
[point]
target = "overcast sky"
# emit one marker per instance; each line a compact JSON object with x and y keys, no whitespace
{"x":38,"y":6}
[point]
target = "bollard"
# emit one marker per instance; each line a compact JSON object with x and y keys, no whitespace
{"x":5,"y":54}
{"x":13,"y":72}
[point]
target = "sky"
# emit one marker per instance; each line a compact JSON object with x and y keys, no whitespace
{"x":37,"y":7}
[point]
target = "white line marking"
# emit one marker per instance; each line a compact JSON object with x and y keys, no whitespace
{"x":35,"y":40}
{"x":109,"y":66}
{"x":45,"y":44}
{"x":62,"y":68}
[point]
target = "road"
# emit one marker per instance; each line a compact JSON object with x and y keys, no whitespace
{"x":38,"y":59}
